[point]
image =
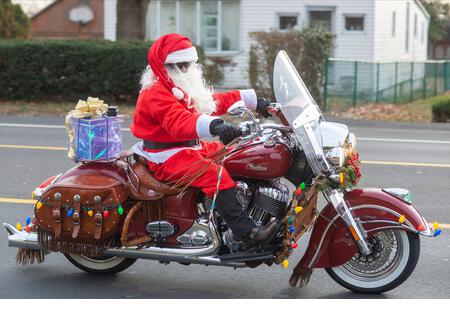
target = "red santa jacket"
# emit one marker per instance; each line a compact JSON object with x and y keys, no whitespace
{"x":160,"y":117}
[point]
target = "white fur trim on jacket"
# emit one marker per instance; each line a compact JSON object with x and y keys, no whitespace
{"x":177,"y":93}
{"x":159,"y":157}
{"x":202,"y":125}
{"x":249,"y":98}
{"x":185,"y":55}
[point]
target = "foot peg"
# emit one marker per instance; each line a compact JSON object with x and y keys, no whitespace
{"x":260,"y":234}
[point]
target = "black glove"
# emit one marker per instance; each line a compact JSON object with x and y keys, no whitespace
{"x":226,"y":132}
{"x":262,"y":105}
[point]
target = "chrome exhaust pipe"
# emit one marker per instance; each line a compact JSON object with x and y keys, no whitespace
{"x":202,"y":255}
{"x":21,"y":239}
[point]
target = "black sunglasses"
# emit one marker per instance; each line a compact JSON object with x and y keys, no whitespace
{"x":180,"y":65}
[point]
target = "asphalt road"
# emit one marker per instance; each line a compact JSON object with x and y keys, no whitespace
{"x":395,"y":146}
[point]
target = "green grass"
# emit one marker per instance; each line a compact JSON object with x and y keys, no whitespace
{"x":423,"y":107}
{"x":416,"y":111}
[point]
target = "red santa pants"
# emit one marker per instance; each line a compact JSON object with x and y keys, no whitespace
{"x":187,"y":161}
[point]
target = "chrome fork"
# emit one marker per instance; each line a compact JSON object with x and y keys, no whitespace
{"x":337,"y":200}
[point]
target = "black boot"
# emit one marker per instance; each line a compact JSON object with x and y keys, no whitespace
{"x":240,"y":224}
{"x":231,"y":211}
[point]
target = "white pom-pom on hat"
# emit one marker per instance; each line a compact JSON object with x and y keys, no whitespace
{"x":179,"y":95}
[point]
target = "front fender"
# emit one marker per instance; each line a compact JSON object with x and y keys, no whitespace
{"x":332,"y":245}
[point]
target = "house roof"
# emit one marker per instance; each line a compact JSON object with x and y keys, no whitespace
{"x":31,"y":8}
{"x":48,"y":6}
{"x":420,"y":5}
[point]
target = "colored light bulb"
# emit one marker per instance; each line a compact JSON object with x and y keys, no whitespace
{"x":341,"y":178}
{"x":120,"y":210}
{"x":401,"y":219}
{"x":38,"y":205}
{"x":291,"y":229}
{"x":290,"y":220}
{"x":302,"y":186}
{"x":435,"y":225}
{"x":421,"y":227}
{"x":28,"y":220}
{"x":298,"y":191}
{"x":294,"y":245}
{"x":19,"y":226}
{"x":437,"y":232}
{"x":298,"y":209}
{"x":28,"y":229}
{"x":90,"y":213}
{"x":105,"y":214}
{"x":70,"y":212}
{"x":285,"y":263}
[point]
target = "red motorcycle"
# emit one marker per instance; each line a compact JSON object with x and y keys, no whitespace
{"x":105,"y":215}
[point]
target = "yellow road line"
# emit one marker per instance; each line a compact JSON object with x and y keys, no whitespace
{"x":406,"y":164}
{"x":34,"y":147}
{"x":17,"y":200}
{"x":54,"y":148}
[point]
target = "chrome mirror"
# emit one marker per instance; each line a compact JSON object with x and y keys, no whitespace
{"x":237,"y":109}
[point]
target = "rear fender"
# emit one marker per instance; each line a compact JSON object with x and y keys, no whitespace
{"x":332,"y":245}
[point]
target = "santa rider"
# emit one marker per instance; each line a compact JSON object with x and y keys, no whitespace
{"x":175,"y":109}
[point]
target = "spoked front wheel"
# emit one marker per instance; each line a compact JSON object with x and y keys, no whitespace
{"x":100,"y":266}
{"x":394,"y":256}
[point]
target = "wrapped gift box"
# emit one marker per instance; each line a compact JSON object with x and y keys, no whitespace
{"x":97,"y":139}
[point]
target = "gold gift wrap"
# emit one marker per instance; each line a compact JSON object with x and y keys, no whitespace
{"x":91,"y":108}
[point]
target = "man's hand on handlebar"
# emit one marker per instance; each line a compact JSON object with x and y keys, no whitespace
{"x":226,"y":132}
{"x":262,"y":107}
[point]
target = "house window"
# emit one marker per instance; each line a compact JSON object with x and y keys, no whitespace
{"x":212,"y":24}
{"x":287,"y":21}
{"x":168,"y":17}
{"x":407,"y":28}
{"x":354,"y":23}
{"x":415,"y":26}
{"x":188,"y":20}
{"x":230,"y":26}
{"x":321,"y":18}
{"x":394,"y":18}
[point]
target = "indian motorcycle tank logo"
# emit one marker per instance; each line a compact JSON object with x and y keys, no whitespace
{"x":256,"y":167}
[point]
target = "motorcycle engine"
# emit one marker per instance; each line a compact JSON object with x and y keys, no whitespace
{"x":269,"y":202}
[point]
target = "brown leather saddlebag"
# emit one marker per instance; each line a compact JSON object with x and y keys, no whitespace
{"x":79,"y":214}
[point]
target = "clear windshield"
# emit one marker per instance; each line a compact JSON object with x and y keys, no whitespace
{"x":289,"y":88}
{"x":299,"y":109}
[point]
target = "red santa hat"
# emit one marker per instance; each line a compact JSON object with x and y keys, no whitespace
{"x":170,"y":48}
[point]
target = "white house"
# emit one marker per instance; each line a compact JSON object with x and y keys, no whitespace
{"x":369,"y":30}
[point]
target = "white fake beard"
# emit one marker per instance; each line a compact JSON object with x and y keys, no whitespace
{"x":193,"y":84}
{"x":147,"y":78}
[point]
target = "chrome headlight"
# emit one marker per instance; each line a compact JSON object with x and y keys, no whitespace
{"x":350,"y":144}
{"x":336,"y":156}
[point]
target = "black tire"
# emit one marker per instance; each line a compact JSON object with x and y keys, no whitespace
{"x":109,"y":266}
{"x":339,"y":274}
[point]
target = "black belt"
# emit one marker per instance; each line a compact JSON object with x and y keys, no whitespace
{"x":160,"y":146}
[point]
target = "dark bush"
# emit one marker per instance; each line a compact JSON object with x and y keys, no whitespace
{"x":72,"y":69}
{"x":308,"y":50}
{"x":215,"y":69}
{"x":441,"y":111}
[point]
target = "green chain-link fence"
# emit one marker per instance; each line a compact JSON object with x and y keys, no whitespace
{"x":351,"y":83}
